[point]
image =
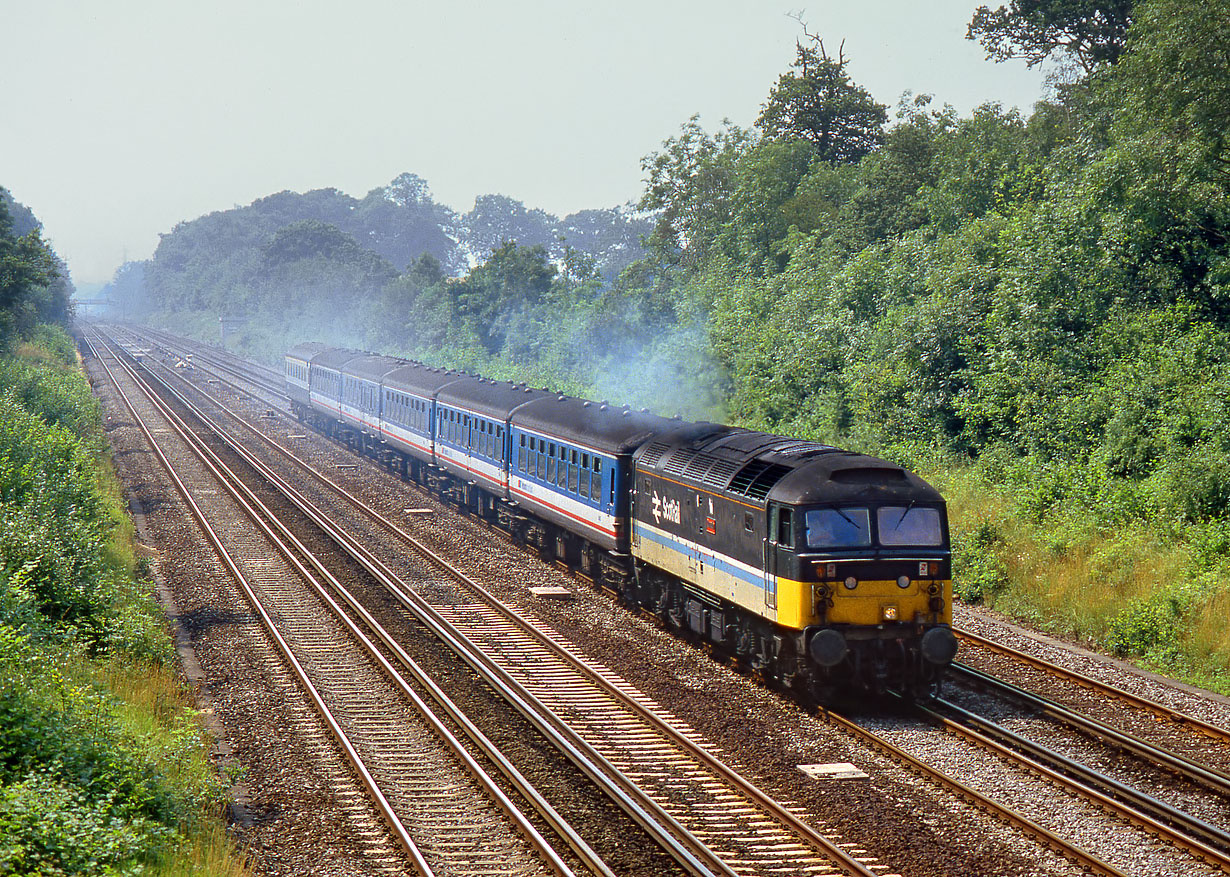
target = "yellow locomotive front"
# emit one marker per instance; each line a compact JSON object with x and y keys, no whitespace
{"x":863,"y":569}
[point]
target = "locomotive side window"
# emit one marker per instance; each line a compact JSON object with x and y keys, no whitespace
{"x":902,"y":525}
{"x":838,"y":528}
{"x":785,"y":528}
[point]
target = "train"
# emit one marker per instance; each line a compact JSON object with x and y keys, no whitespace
{"x":824,"y":570}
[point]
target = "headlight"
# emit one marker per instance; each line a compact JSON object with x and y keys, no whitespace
{"x":851,"y":583}
{"x":888,"y":613}
{"x":903,"y":581}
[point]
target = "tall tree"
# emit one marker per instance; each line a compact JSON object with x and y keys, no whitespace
{"x":514,"y":279}
{"x":27,"y":270}
{"x":1093,"y":32}
{"x":817,"y":102}
{"x":689,"y":186}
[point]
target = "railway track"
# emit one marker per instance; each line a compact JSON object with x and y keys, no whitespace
{"x":1112,"y":692}
{"x":490,"y":623}
{"x":1198,"y":837}
{"x":730,"y":824}
{"x":438,"y":802}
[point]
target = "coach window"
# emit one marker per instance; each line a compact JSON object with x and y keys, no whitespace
{"x":584,"y":476}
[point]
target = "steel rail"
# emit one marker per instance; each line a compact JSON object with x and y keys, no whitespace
{"x":1019,"y":821}
{"x":1177,"y":716}
{"x":1172,"y":761}
{"x":350,"y":752}
{"x":1131,"y":804}
{"x":263,"y":517}
{"x":844,"y":860}
{"x":678,"y":842}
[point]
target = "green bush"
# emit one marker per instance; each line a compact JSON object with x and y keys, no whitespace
{"x":1148,"y":628}
{"x":88,"y":784}
{"x":978,"y":571}
{"x":48,"y":829}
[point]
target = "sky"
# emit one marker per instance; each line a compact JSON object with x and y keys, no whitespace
{"x":120,"y":119}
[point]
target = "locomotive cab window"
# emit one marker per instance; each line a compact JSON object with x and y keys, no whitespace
{"x":909,"y":526}
{"x":838,"y":528}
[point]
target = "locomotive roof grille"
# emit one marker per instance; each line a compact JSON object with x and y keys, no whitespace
{"x":757,"y":478}
{"x":699,"y":466}
{"x":678,"y":461}
{"x":653,"y":453}
{"x":801,"y":449}
{"x":720,"y":473}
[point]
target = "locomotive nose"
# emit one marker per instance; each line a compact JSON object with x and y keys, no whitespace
{"x":939,"y":646}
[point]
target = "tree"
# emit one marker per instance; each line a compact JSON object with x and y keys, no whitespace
{"x":817,"y":102}
{"x":512,"y":280}
{"x":1094,"y":32}
{"x":690,"y":185}
{"x":27,"y":270}
{"x":498,"y":218}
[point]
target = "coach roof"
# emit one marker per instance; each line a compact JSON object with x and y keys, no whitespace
{"x":594,"y":424}
{"x":372,"y":367}
{"x":494,"y":399}
{"x":305,"y":350}
{"x":335,"y":357}
{"x":420,"y":380}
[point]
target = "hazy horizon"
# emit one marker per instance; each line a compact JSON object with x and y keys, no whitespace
{"x":134,"y":116}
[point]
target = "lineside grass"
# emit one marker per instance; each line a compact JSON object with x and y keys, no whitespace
{"x":104,"y":767}
{"x":1151,"y":591}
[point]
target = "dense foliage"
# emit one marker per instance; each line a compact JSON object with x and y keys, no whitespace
{"x":90,"y":783}
{"x":1033,"y":308}
{"x":33,"y":283}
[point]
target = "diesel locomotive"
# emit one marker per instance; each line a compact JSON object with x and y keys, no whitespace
{"x":826,"y":570}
